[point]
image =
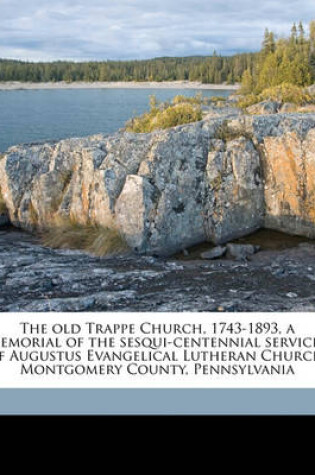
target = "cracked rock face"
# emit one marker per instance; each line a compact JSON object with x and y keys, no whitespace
{"x":290,"y":183}
{"x":171,"y":189}
{"x":234,"y":200}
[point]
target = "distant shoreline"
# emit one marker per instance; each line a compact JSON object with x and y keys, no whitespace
{"x":14,"y":86}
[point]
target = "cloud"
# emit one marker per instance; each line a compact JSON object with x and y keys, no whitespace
{"x":125,"y":29}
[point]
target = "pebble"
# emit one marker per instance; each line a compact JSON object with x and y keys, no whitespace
{"x":214,"y":253}
{"x":241,"y":251}
{"x":292,"y":295}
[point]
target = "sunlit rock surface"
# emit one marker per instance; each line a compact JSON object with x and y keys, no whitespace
{"x":214,"y":180}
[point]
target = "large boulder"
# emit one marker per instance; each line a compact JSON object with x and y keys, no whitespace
{"x":215,"y":180}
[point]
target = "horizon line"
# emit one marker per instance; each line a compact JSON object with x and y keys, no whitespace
{"x":154,"y":58}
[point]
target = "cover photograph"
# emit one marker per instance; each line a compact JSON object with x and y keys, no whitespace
{"x":157,"y":207}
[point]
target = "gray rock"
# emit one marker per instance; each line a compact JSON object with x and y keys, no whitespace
{"x":264,"y":108}
{"x":241,"y":251}
{"x":306,"y":245}
{"x":292,"y":295}
{"x":214,"y":253}
{"x":215,"y":180}
{"x":33,"y":278}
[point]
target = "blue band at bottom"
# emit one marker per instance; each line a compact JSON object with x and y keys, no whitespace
{"x":157,"y":401}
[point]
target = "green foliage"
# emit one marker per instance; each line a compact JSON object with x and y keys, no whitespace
{"x":247,"y":82}
{"x":287,"y":93}
{"x":312,"y":48}
{"x":183,"y":110}
{"x":289,"y":61}
{"x":269,"y":43}
{"x":213,"y":69}
{"x":284,"y":93}
{"x":198,"y":99}
{"x":216,"y":99}
{"x":153,"y":102}
{"x":248,"y":100}
{"x":97,"y":240}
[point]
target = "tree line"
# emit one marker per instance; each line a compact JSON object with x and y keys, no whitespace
{"x":288,"y":60}
{"x":214,"y":69}
{"x":284,"y":60}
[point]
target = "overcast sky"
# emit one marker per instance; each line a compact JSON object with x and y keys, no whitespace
{"x":126,"y":29}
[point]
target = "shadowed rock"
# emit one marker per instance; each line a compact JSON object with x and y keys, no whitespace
{"x":36,"y":279}
{"x":214,"y":253}
{"x":241,"y":251}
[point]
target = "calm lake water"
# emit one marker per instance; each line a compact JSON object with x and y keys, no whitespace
{"x":38,"y":115}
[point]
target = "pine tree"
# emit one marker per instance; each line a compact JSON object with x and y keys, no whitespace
{"x":247,"y":82}
{"x":301,"y":33}
{"x":312,"y":49}
{"x":294,"y":34}
{"x":290,"y":61}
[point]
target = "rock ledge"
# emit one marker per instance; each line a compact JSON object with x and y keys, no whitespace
{"x":215,"y":180}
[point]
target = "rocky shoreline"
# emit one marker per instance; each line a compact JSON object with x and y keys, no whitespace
{"x":13,"y":86}
{"x":38,"y":279}
{"x":214,"y":180}
{"x":211,"y":182}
